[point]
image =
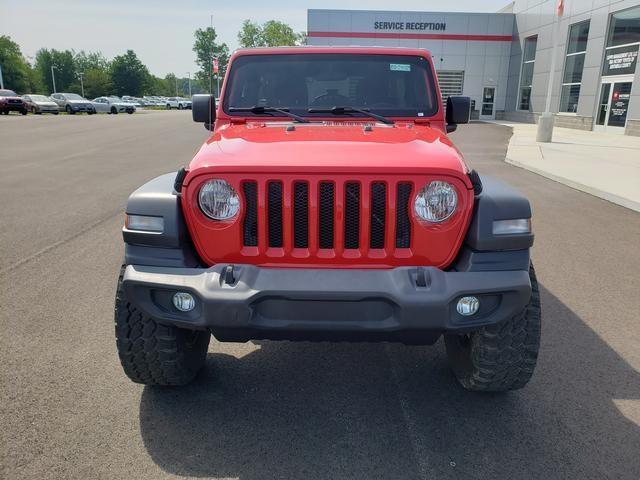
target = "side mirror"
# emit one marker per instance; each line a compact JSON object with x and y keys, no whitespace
{"x":203,"y":110}
{"x":458,"y":111}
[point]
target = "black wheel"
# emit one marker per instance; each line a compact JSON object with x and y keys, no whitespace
{"x":24,"y":111}
{"x":499,"y":357}
{"x":152,"y":353}
{"x":56,"y":113}
{"x":130,"y":112}
{"x":168,"y":107}
{"x":180,"y":107}
{"x":33,"y":110}
{"x":114,"y":110}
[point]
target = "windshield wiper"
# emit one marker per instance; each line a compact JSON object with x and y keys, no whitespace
{"x":264,"y":109}
{"x":348,"y":110}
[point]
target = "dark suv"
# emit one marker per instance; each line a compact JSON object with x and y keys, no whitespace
{"x":11,"y":102}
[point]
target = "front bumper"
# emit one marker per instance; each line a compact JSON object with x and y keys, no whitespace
{"x":407,"y":304}
{"x":13,"y":107}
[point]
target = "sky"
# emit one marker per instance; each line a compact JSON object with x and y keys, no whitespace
{"x":161,"y":31}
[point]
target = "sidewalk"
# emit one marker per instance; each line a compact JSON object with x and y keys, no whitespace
{"x":602,"y":164}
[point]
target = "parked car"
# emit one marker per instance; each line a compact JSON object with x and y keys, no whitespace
{"x":352,"y":218}
{"x":177,"y":102}
{"x":38,"y":104}
{"x":133,"y":100}
{"x":73,"y":103}
{"x":11,"y":102}
{"x":113,"y":105}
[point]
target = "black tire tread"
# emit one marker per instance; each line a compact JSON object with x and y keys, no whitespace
{"x":503,"y":356}
{"x":152,"y":353}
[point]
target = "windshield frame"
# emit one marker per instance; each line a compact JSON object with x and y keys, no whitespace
{"x":431,"y":86}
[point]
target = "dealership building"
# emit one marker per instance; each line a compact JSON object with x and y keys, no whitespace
{"x":502,"y":60}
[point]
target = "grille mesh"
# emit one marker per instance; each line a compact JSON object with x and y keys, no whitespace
{"x":378,"y":211}
{"x":403,"y":223}
{"x":250,"y":225}
{"x":352,"y":215}
{"x":274,"y":207}
{"x":300,"y":215}
{"x":325,"y":215}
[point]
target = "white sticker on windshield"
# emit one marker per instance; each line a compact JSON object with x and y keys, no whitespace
{"x":399,"y":67}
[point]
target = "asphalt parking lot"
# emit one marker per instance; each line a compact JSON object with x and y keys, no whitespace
{"x":292,"y":410}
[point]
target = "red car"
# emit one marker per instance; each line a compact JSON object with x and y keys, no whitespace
{"x":11,"y":102}
{"x":329,"y":204}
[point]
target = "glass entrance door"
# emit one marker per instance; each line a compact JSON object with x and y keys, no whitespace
{"x":487,"y":110}
{"x":613,"y":106}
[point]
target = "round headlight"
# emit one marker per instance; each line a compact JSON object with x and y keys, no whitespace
{"x":218,"y":200}
{"x":436,"y":202}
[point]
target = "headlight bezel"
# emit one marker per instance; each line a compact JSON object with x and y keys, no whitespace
{"x":217,"y":186}
{"x":420,"y":210}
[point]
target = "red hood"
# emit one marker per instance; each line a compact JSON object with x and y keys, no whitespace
{"x":330,"y":147}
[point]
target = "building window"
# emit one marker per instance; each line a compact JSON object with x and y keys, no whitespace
{"x":573,"y":66}
{"x":621,"y":52}
{"x":526,"y":74}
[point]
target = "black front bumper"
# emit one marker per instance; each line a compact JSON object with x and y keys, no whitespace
{"x":407,"y":304}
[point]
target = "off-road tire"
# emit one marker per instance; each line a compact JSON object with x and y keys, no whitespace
{"x":152,"y":353}
{"x":499,"y":357}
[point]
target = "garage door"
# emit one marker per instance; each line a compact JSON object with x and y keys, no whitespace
{"x":451,"y":83}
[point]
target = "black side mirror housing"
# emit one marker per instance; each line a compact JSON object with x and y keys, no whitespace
{"x":458,"y":111}
{"x":203,"y":110}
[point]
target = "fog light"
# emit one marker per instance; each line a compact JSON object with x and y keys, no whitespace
{"x":184,"y":301}
{"x":468,"y":306}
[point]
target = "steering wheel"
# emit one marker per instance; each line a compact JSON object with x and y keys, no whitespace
{"x":330,"y":99}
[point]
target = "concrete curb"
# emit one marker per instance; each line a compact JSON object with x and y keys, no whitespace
{"x":624,"y":202}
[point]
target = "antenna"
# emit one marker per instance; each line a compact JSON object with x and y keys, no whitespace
{"x":211,"y":75}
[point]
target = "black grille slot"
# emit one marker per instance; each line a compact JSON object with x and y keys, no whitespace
{"x":378,"y":211}
{"x":403,"y":224}
{"x":250,"y":225}
{"x":274,"y":212}
{"x":300,"y":215}
{"x":325,"y":215}
{"x":352,"y":215}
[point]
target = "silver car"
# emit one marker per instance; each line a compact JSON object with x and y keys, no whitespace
{"x":113,"y":105}
{"x":73,"y":103}
{"x":40,"y":104}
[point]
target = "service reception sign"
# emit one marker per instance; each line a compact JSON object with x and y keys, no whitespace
{"x":621,"y":60}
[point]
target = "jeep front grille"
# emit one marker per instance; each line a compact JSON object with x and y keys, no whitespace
{"x":338,"y":217}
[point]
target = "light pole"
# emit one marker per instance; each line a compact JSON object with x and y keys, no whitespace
{"x":53,"y":79}
{"x":1,"y":79}
{"x":81,"y":74}
{"x":189,"y":75}
{"x":176,"y":86}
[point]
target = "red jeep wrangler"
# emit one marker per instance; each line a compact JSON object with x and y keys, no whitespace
{"x":329,"y":204}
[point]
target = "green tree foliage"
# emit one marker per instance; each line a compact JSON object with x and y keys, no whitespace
{"x":16,"y":72}
{"x":63,"y":65}
{"x":206,"y":49}
{"x":90,"y":60}
{"x":97,"y":82}
{"x":129,"y":75}
{"x":270,"y":34}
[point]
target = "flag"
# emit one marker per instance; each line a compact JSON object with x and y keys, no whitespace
{"x":560,"y":8}
{"x":216,"y":66}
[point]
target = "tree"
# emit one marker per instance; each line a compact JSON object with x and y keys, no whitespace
{"x":250,"y":35}
{"x":270,"y":34}
{"x":206,"y":49}
{"x":128,"y":74}
{"x":97,"y":82}
{"x":16,"y":72}
{"x":92,"y":60}
{"x":64,"y":66}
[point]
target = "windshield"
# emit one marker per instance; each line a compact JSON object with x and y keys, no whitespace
{"x":390,"y":85}
{"x":40,"y":98}
{"x":73,"y":96}
{"x":8,"y":93}
{"x":115,"y":99}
